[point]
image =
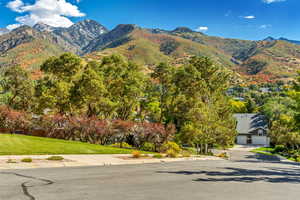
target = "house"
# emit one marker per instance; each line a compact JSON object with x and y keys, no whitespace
{"x":252,"y":129}
{"x":265,"y":90}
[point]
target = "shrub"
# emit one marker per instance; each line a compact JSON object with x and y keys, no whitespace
{"x":293,"y":154}
{"x":55,"y":158}
{"x":13,"y":120}
{"x":279,"y":148}
{"x":171,"y":153}
{"x":154,"y":133}
{"x":191,"y":150}
{"x":223,"y":155}
{"x":136,"y":154}
{"x":186,"y":154}
{"x":123,"y":145}
{"x":171,"y":146}
{"x":158,"y":156}
{"x":11,"y":161}
{"x":147,"y":146}
{"x":26,"y":160}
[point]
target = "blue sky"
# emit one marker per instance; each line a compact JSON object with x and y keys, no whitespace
{"x":245,"y":19}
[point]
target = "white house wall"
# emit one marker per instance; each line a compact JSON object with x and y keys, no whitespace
{"x":241,"y":139}
{"x":260,"y":140}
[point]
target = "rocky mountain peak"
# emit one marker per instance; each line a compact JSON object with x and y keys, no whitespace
{"x":182,"y":30}
{"x":120,"y":32}
{"x":80,"y":34}
{"x":42,"y":27}
{"x":90,"y":27}
{"x":269,"y":39}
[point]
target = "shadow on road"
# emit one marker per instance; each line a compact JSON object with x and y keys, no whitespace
{"x":288,"y":172}
{"x":259,"y":158}
{"x":273,"y":175}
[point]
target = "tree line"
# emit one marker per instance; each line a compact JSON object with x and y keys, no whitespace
{"x":283,"y":111}
{"x":191,"y":98}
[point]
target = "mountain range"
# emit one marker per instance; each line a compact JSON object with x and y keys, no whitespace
{"x":254,"y":61}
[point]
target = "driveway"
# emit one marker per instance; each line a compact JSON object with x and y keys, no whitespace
{"x":245,"y":176}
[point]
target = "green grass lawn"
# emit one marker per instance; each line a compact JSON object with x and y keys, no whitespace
{"x":28,"y":145}
{"x":270,"y":151}
{"x":264,"y":150}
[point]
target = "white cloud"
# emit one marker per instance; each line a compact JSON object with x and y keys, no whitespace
{"x":52,"y":12}
{"x":272,"y":1}
{"x":249,"y":17}
{"x":15,"y":5}
{"x":202,"y":29}
{"x":265,"y":26}
{"x":13,"y":26}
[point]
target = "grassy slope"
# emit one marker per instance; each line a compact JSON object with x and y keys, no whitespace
{"x":282,"y":58}
{"x":227,"y":46}
{"x":30,"y":55}
{"x":144,"y":48}
{"x":28,"y":145}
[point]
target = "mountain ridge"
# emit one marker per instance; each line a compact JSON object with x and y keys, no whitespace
{"x":264,"y":60}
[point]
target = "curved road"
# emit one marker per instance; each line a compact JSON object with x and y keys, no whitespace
{"x":245,"y":176}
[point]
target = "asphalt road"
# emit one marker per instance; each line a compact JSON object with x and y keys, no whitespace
{"x":246,"y":176}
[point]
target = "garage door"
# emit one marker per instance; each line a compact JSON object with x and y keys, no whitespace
{"x":259,"y":140}
{"x":241,"y":139}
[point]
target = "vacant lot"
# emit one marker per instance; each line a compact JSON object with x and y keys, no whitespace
{"x":28,"y":145}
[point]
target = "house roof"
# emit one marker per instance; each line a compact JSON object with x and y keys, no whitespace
{"x":247,"y":123}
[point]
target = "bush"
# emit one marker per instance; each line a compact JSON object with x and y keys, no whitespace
{"x":158,"y":156}
{"x":136,"y":154}
{"x":223,"y":155}
{"x":147,"y":146}
{"x":171,"y":146}
{"x":171,"y":153}
{"x":11,"y":161}
{"x":293,"y":154}
{"x":186,"y":154}
{"x":279,"y":148}
{"x":123,"y":144}
{"x":12,"y":120}
{"x":55,"y":158}
{"x":26,"y":160}
{"x":191,"y":150}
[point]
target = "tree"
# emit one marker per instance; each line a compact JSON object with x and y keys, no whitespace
{"x":250,"y":105}
{"x":54,"y":90}
{"x":238,"y":106}
{"x":90,"y":93}
{"x":125,"y":83}
{"x":275,"y":107}
{"x":206,"y":115}
{"x":64,"y":67}
{"x":163,"y":74}
{"x":18,"y":88}
{"x":283,"y":113}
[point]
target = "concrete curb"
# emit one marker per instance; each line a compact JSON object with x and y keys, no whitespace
{"x":88,"y":160}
